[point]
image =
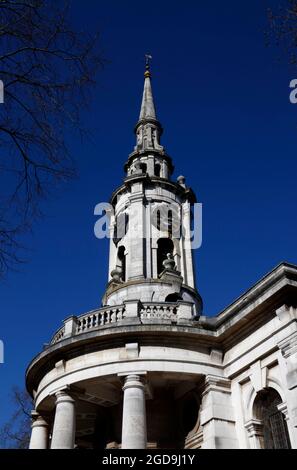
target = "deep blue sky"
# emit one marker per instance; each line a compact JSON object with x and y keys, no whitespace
{"x":222,"y":98}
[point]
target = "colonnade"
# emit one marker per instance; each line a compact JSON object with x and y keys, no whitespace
{"x":134,"y":433}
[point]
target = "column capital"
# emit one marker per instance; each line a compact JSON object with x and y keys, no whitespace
{"x":63,"y":396}
{"x":66,"y":392}
{"x":254,"y":427}
{"x":215,"y":383}
{"x":283,"y":408}
{"x":38,"y":420}
{"x":134,"y":381}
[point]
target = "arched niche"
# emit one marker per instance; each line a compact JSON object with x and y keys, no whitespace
{"x":121,"y":261}
{"x":271,"y":423}
{"x":164,"y":246}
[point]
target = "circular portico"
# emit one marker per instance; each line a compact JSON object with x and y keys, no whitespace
{"x":94,"y":380}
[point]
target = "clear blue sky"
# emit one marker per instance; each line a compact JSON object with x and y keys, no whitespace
{"x":222,"y":98}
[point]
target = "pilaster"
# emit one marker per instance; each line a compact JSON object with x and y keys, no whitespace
{"x":217,"y":414}
{"x":288,"y":348}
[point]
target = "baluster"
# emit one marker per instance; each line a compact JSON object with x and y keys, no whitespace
{"x":96,"y":319}
{"x":121,"y":314}
{"x":113,"y":316}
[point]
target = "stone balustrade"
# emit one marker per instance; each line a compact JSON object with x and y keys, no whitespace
{"x":99,"y":318}
{"x":150,"y":311}
{"x":58,"y":336}
{"x":132,"y":311}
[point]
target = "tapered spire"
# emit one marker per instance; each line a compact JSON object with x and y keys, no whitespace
{"x":148,"y":110}
{"x":148,"y":129}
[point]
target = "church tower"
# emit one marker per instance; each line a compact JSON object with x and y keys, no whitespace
{"x":150,"y":248}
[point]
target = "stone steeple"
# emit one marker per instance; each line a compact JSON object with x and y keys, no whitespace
{"x":148,"y":129}
{"x":147,"y":110}
{"x":150,"y":250}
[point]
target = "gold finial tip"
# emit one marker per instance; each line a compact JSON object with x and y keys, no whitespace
{"x":148,"y":59}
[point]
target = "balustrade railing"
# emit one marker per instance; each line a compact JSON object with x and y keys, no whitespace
{"x":131,"y":311}
{"x":99,"y":318}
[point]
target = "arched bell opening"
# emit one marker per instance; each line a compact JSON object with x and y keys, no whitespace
{"x":157,"y":170}
{"x":143,"y":167}
{"x":121,"y":262}
{"x":173,"y":298}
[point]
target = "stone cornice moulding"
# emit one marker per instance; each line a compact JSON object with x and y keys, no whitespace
{"x":288,"y":346}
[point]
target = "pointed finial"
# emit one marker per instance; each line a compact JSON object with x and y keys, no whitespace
{"x":148,"y":59}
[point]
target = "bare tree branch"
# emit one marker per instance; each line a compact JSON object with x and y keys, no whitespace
{"x":16,"y":432}
{"x":283,"y":29}
{"x":48,"y":70}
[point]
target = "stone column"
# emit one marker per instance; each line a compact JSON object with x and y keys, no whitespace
{"x":134,"y":413}
{"x":64,"y":425}
{"x":39,"y":433}
{"x":217,"y":415}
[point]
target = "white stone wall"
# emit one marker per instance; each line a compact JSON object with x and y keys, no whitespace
{"x":257,"y":363}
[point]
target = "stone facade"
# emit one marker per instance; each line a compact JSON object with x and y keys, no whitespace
{"x":147,"y":369}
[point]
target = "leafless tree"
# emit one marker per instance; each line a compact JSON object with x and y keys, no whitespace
{"x":283,"y":29}
{"x":16,"y":432}
{"x":48,"y":69}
